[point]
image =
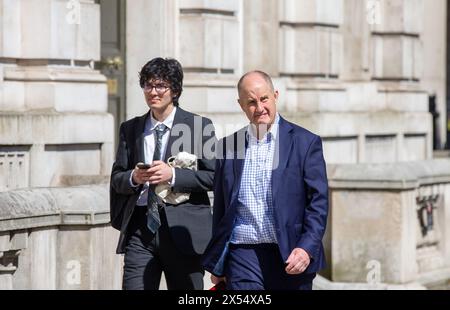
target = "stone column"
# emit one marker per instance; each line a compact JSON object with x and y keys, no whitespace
{"x":397,"y":66}
{"x":434,"y":19}
{"x":311,"y":42}
{"x":356,"y":41}
{"x":396,"y":39}
{"x":310,"y":53}
{"x":261,"y":36}
{"x":151,"y":28}
{"x":210,"y":49}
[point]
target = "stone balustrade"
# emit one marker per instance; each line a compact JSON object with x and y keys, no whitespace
{"x":390,"y":223}
{"x":58,"y":238}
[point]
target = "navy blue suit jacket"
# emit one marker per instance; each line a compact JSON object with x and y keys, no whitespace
{"x":300,"y":194}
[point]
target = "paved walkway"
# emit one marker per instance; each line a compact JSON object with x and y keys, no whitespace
{"x":206,"y":280}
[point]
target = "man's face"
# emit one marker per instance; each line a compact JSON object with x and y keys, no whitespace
{"x":158,"y":94}
{"x":258,"y":100}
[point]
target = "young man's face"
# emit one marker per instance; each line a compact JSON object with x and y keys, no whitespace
{"x":258,"y":100}
{"x":158,"y":94}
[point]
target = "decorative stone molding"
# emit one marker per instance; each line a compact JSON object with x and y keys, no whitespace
{"x":395,"y":176}
{"x":83,"y":205}
{"x":57,"y":142}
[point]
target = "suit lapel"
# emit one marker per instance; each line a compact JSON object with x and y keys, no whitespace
{"x":284,"y":144}
{"x":140,"y":127}
{"x":240,"y":148}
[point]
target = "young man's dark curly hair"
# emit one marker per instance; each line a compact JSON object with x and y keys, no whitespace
{"x":168,"y":70}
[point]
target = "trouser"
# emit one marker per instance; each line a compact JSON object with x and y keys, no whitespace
{"x":147,"y":255}
{"x":261,"y":267}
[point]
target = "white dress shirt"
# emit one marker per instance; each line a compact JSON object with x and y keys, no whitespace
{"x":149,"y":148}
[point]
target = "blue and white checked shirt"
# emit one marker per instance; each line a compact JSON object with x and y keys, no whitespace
{"x":255,"y":222}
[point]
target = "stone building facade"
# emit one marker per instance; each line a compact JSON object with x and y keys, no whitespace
{"x":357,"y":72}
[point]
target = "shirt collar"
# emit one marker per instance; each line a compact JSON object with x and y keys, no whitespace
{"x":168,"y":121}
{"x":273,"y":131}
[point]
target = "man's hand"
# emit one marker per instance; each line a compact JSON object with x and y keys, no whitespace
{"x":216,"y":280}
{"x":160,"y":173}
{"x":140,"y":176}
{"x":297,"y":262}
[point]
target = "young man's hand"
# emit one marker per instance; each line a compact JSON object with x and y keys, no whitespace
{"x":160,"y":172}
{"x":140,"y":176}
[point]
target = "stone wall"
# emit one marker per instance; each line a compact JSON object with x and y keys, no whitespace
{"x":390,"y":223}
{"x":58,"y":238}
{"x":353,"y":78}
{"x":53,"y":120}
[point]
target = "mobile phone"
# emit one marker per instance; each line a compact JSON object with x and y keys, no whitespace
{"x":144,"y":166}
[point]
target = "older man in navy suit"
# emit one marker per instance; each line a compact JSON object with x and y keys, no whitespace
{"x":270,"y":199}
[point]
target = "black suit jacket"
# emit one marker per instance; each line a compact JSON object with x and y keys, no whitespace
{"x":190,"y":222}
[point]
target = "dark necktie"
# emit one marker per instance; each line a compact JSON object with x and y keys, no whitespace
{"x":153,"y":202}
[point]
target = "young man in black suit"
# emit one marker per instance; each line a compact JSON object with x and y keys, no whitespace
{"x":155,"y":236}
